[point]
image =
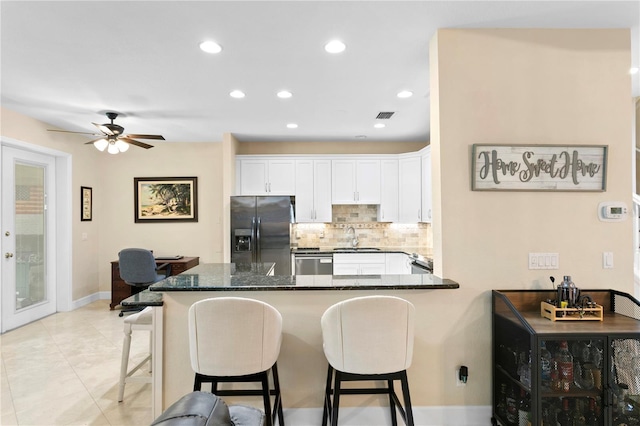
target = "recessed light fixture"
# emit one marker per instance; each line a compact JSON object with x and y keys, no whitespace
{"x":379,"y":125}
{"x":335,"y":46}
{"x":633,"y":70}
{"x":210,"y":47}
{"x":361,"y":136}
{"x":405,"y":94}
{"x":292,"y":126}
{"x":284,"y":94}
{"x":238,"y":94}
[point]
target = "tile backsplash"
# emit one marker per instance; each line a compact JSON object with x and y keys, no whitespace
{"x":370,"y":233}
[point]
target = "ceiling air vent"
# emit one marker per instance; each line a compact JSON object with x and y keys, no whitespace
{"x":384,"y":115}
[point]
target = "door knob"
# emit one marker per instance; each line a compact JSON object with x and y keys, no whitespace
{"x":8,"y":255}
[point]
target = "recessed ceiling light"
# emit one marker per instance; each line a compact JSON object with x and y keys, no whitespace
{"x":379,"y":125}
{"x":238,"y":94}
{"x":210,"y":47}
{"x":335,"y":46}
{"x":405,"y":94}
{"x":633,"y":70}
{"x":292,"y":126}
{"x":361,"y":136}
{"x":285,"y":94}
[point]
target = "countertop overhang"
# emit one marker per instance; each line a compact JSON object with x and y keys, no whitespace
{"x":229,"y":277}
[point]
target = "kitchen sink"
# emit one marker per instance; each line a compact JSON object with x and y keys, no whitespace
{"x":356,"y":249}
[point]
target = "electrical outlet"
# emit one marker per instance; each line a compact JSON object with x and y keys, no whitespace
{"x":321,"y":235}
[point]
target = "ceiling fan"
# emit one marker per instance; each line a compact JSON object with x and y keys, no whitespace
{"x":112,"y":137}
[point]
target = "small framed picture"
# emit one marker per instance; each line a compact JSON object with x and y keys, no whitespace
{"x":166,"y":199}
{"x":86,"y":203}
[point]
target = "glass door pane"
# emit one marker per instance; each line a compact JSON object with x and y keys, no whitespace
{"x":30,"y":234}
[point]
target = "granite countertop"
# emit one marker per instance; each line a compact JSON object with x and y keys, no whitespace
{"x":144,"y":298}
{"x":229,"y":277}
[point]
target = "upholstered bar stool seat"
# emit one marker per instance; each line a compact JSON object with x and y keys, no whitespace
{"x":368,"y":339}
{"x":142,"y":320}
{"x":206,"y":409}
{"x":234,"y":339}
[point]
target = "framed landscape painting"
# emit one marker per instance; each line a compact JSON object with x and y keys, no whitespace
{"x":166,"y":199}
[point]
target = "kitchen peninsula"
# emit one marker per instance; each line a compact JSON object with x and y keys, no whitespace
{"x":301,"y":300}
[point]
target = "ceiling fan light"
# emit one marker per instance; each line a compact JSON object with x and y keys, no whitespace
{"x":113,"y":149}
{"x":101,"y":144}
{"x":122,"y":146}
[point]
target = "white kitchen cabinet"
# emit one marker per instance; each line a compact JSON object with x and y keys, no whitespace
{"x":410,"y":192}
{"x":267,"y":176}
{"x":313,"y":190}
{"x":355,"y":181}
{"x":359,"y":264}
{"x":389,"y":183}
{"x":398,"y":264}
{"x":427,"y":185}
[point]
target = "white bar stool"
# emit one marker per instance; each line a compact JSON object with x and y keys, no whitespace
{"x":142,"y":320}
{"x":368,"y":339}
{"x":234,"y":339}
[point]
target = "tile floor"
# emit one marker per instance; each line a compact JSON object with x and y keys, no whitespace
{"x":64,"y":370}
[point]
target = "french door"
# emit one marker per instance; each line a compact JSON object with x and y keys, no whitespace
{"x":28,"y":236}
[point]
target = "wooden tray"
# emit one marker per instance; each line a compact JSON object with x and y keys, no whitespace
{"x":554,"y":313}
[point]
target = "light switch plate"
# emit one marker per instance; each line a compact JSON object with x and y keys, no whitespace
{"x":607,"y":260}
{"x":544,"y":261}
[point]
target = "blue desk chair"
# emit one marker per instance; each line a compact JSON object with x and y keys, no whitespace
{"x":138,"y":268}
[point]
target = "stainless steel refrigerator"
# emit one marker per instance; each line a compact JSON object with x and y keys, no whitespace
{"x":260,"y":231}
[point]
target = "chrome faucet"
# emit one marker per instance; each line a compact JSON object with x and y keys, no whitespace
{"x":354,"y":241}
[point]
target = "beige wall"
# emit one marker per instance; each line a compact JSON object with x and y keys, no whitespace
{"x":117,"y":227}
{"x":111,"y":177}
{"x":254,"y":148}
{"x":521,"y":87}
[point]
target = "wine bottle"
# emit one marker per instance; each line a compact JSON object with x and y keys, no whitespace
{"x":564,"y":417}
{"x":565,"y":366}
{"x":524,"y":409}
{"x":591,"y":418}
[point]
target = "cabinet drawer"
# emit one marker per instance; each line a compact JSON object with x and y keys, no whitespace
{"x":358,"y":258}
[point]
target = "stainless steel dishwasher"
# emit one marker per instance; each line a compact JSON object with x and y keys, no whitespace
{"x":314,"y":263}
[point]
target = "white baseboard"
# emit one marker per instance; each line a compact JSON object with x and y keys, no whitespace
{"x":91,"y":298}
{"x":374,"y":416}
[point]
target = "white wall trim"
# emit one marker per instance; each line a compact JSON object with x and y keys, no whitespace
{"x":100,"y":295}
{"x":423,"y":416}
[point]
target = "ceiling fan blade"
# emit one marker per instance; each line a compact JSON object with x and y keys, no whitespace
{"x":104,"y":129}
{"x":159,"y":137}
{"x":136,"y":143}
{"x":68,"y":131}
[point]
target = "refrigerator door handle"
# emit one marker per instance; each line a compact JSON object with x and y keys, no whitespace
{"x":254,"y":240}
{"x":258,"y":242}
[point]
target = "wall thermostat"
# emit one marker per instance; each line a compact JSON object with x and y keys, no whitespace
{"x":612,"y":211}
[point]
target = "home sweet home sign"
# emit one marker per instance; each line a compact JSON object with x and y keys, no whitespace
{"x":539,"y":167}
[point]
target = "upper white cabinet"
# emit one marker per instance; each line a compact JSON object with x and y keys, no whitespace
{"x":267,"y":177}
{"x":410,"y":176}
{"x":388,"y":211}
{"x":313,"y":190}
{"x":355,"y":181}
{"x":427,"y":203}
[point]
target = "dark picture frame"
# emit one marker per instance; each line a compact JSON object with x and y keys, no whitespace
{"x":165,"y":199}
{"x":86,"y":204}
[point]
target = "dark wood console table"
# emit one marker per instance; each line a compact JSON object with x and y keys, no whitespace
{"x":121,"y":290}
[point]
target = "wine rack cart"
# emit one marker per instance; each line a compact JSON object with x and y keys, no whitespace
{"x":606,"y":360}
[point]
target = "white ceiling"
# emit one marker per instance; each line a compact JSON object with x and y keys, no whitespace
{"x":66,"y":63}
